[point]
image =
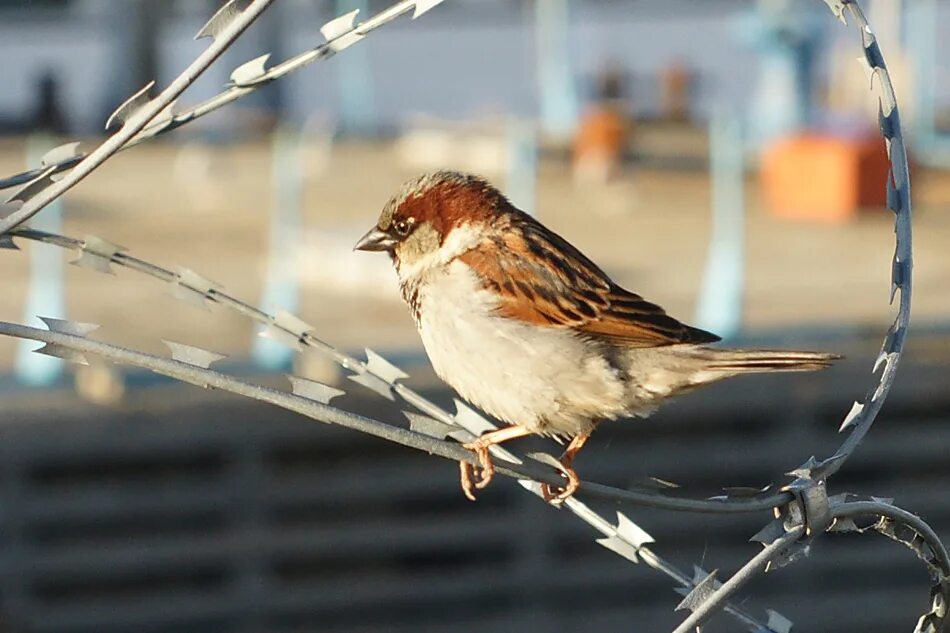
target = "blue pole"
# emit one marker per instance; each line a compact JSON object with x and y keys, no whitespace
{"x":558,"y":95}
{"x":787,"y":37}
{"x":720,"y":299}
{"x":357,"y":110}
{"x":522,"y":177}
{"x":281,"y":286}
{"x":46,"y":291}
{"x":933,"y":147}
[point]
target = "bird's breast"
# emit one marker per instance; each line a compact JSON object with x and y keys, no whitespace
{"x":515,"y":371}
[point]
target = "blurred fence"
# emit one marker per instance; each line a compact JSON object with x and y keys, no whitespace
{"x":803,"y":509}
{"x":186,"y":511}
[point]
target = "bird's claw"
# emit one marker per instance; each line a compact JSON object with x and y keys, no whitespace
{"x":556,"y":495}
{"x":485,"y":467}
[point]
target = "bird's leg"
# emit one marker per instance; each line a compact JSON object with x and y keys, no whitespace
{"x":480,"y":448}
{"x":573,"y":481}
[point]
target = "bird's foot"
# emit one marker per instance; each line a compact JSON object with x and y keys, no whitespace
{"x":485,"y":468}
{"x":557,"y":495}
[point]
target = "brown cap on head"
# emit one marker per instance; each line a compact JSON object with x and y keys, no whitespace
{"x":440,"y":200}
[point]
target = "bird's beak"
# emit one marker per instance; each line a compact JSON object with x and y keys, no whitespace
{"x":375,"y":240}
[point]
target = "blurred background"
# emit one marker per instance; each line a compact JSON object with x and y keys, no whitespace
{"x":720,"y":157}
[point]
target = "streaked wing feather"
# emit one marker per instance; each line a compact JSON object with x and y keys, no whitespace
{"x":545,"y":281}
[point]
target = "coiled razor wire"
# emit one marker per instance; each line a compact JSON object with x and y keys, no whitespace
{"x":429,"y":423}
{"x":802,"y":508}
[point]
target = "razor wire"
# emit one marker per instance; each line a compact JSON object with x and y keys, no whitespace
{"x":134,"y":114}
{"x":67,"y":340}
{"x":803,"y":509}
{"x":143,"y":119}
{"x":813,"y":512}
{"x":376,"y":373}
{"x":427,"y":429}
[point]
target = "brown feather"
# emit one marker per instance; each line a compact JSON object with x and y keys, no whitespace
{"x":543,"y":280}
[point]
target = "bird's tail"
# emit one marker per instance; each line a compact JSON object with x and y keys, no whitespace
{"x":710,"y":364}
{"x":679,"y":369}
{"x":741,"y":361}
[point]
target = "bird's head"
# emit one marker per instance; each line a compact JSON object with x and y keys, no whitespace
{"x":433,"y":219}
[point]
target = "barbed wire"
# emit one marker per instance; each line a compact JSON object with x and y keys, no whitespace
{"x":813,"y":513}
{"x":803,"y":508}
{"x":625,"y":538}
{"x":191,"y":364}
{"x":144,"y":119}
{"x":67,"y":340}
{"x":376,"y":374}
{"x":862,"y":414}
{"x":134,"y":114}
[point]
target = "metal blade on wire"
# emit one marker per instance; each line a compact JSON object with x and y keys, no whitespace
{"x":378,"y":375}
{"x":32,"y":188}
{"x":339,"y":31}
{"x":374,"y":384}
{"x":6,"y":240}
{"x":96,"y":254}
{"x":132,"y":106}
{"x":61,"y":154}
{"x":222,"y":19}
{"x":428,"y":426}
{"x":423,"y":6}
{"x":192,"y":288}
{"x":627,"y":540}
{"x":191,"y":355}
{"x":383,"y":368}
{"x":73,"y":328}
{"x":252,"y":72}
{"x":313,"y":390}
{"x":168,"y":118}
{"x":471,"y":420}
{"x":288,"y":329}
{"x":705,"y":585}
{"x":778,"y":622}
{"x":620,"y":546}
{"x":135,"y":115}
{"x":852,"y":417}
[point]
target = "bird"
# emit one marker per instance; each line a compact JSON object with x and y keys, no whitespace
{"x":528,"y":329}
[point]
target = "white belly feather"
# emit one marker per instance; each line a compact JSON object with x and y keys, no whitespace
{"x":542,"y":378}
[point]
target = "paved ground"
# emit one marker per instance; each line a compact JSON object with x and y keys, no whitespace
{"x":207,"y":209}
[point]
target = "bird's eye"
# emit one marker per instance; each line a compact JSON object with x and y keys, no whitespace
{"x":402,"y":227}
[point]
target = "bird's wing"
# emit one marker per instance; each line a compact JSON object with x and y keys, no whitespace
{"x":543,"y":280}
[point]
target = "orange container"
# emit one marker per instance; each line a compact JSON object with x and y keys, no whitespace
{"x":602,"y":133}
{"x":824,"y":178}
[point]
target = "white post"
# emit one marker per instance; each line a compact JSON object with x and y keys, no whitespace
{"x":46,"y":292}
{"x":357,"y":113}
{"x":720,"y":299}
{"x":522,"y":177}
{"x":281,"y":286}
{"x":558,"y":96}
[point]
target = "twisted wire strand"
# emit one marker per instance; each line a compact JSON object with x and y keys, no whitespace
{"x":664,"y":500}
{"x":862,"y":414}
{"x":208,"y":378}
{"x":232,"y":93}
{"x":859,"y":419}
{"x":137,"y":119}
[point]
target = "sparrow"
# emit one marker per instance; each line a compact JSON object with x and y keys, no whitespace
{"x":525,"y":327}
